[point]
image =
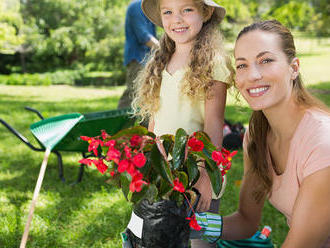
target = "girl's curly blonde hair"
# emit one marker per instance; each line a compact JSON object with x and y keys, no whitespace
{"x":198,"y":79}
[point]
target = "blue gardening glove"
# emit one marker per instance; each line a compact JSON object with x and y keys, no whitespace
{"x":126,"y":242}
{"x":211,"y":225}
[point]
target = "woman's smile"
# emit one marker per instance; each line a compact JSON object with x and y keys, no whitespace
{"x":257,"y":91}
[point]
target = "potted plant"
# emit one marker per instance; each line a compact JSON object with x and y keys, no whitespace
{"x":157,"y":175}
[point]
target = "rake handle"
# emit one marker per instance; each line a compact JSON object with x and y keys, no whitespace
{"x":35,"y":197}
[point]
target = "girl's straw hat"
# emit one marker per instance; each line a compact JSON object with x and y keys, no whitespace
{"x":149,"y":9}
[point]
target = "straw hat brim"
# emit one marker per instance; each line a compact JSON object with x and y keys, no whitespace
{"x":149,"y":8}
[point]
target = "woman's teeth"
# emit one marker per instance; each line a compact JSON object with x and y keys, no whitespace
{"x":257,"y":90}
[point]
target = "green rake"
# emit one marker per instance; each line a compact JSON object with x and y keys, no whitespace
{"x":49,"y":132}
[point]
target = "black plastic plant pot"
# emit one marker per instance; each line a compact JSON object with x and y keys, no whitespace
{"x":164,"y":225}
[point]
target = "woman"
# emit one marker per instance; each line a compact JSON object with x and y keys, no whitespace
{"x":287,"y":146}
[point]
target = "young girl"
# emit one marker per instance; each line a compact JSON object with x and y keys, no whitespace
{"x":184,"y":83}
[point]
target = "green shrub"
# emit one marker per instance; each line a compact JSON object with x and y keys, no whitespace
{"x":67,"y":77}
{"x":48,"y":78}
{"x":25,"y":79}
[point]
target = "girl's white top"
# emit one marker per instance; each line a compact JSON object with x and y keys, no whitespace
{"x":178,"y":110}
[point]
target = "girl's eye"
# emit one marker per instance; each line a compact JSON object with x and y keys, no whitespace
{"x":167,"y":12}
{"x":241,"y":66}
{"x":266,"y":61}
{"x":188,"y":10}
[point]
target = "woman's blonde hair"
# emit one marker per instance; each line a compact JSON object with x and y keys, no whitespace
{"x":198,"y":79}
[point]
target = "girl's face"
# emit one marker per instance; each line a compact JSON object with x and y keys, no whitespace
{"x":263,"y":74}
{"x":182,"y":20}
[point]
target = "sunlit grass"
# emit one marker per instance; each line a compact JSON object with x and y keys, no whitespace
{"x":92,"y":214}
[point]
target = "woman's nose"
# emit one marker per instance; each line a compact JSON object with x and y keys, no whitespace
{"x":254,"y":73}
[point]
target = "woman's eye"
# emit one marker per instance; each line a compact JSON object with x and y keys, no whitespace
{"x":241,"y":66}
{"x":266,"y":61}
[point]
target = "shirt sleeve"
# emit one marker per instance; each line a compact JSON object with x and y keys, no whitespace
{"x":220,"y":71}
{"x":317,"y":151}
{"x":318,"y":158}
{"x":140,"y":24}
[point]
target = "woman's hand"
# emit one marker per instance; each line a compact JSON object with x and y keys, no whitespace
{"x":211,"y":225}
{"x":203,"y":185}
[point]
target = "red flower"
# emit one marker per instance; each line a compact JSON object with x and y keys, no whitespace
{"x":85,"y":138}
{"x":112,"y":173}
{"x":86,"y":161}
{"x":178,"y":186}
{"x":110,"y":143}
{"x":100,"y":165}
{"x":93,"y":143}
{"x":113,"y":154}
{"x":127,"y":151}
{"x":131,"y":168}
{"x":228,"y":156}
{"x":139,"y":160}
{"x":195,"y":144}
{"x":136,"y":140}
{"x":104,"y":134}
{"x":126,"y":165}
{"x":193,"y":223}
{"x":217,"y":157}
{"x":137,"y":182}
{"x":123,"y":165}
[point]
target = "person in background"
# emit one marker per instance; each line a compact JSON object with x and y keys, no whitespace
{"x":140,"y":36}
{"x":287,"y":146}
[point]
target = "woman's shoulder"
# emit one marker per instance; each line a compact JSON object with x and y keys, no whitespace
{"x":312,"y":144}
{"x":317,"y":120}
{"x":313,"y":129}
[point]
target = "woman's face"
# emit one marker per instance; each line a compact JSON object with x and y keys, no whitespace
{"x":263,"y":74}
{"x":182,"y":20}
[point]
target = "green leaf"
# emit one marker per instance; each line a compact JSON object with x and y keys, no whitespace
{"x":137,"y":130}
{"x":125,"y":180}
{"x":164,"y":188}
{"x":178,"y":197}
{"x":215,"y":177}
{"x":179,"y":148}
{"x":149,"y":192}
{"x":202,"y":136}
{"x":104,"y":149}
{"x":183,"y":178}
{"x":168,"y":142}
{"x":160,"y":165}
{"x":192,"y":168}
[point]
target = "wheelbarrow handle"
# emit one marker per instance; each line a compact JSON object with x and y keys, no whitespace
{"x":20,"y":136}
{"x":35,"y":111}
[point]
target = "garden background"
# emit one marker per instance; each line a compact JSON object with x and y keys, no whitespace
{"x":64,"y":56}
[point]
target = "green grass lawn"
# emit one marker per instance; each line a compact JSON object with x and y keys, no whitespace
{"x":92,"y":214}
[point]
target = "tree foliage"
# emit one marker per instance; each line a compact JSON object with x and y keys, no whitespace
{"x":295,"y":15}
{"x":10,"y":24}
{"x":49,"y":35}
